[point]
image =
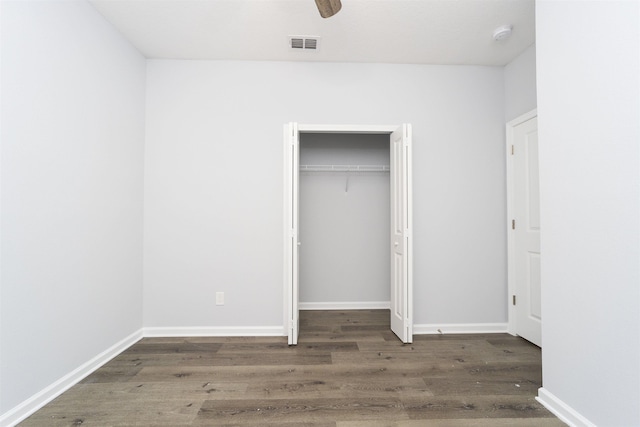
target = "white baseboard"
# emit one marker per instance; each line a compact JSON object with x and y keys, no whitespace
{"x":355,"y":305}
{"x":460,"y":328}
{"x":561,"y":410}
{"x":46,"y":395}
{"x":210,"y":331}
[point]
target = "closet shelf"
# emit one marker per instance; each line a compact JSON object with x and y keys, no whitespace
{"x":344,"y":168}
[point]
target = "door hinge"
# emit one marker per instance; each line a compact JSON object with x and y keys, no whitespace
{"x":514,"y":300}
{"x":512,"y":150}
{"x":513,"y":224}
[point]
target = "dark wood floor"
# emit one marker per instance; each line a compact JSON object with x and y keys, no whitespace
{"x":348,"y":370}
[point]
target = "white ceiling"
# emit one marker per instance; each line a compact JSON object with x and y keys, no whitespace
{"x":388,"y":31}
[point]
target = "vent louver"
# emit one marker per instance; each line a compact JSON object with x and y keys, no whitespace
{"x":303,"y":43}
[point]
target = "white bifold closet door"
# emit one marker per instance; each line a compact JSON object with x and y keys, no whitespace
{"x":401,"y":280}
{"x":401,"y":283}
{"x":292,"y":252}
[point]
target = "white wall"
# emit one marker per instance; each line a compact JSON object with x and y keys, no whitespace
{"x":589,"y":128}
{"x":344,"y":222}
{"x":520,"y":84}
{"x":1,"y":131}
{"x":214,"y":182}
{"x":72,"y":157}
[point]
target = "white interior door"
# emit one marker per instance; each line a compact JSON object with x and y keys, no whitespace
{"x":526,"y":231}
{"x":401,"y":241}
{"x":292,"y":150}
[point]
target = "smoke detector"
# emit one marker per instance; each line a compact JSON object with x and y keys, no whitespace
{"x":503,"y":32}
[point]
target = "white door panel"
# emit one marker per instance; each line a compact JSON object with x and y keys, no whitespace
{"x":292,"y":148}
{"x":401,"y":283}
{"x":526,"y":205}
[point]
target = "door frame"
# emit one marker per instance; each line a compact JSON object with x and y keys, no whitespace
{"x":511,"y":282}
{"x":290,"y":292}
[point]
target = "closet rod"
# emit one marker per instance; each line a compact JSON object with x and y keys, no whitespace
{"x":344,"y":168}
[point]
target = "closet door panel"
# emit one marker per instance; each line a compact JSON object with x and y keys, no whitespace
{"x":401,"y":283}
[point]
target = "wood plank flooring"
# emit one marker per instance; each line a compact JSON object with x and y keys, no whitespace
{"x":348,"y":370}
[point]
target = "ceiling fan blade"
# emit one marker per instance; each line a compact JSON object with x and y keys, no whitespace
{"x":328,"y":8}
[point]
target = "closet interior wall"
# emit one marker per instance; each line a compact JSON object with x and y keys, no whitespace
{"x":344,"y":221}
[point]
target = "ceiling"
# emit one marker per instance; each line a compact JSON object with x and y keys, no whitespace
{"x":386,"y":31}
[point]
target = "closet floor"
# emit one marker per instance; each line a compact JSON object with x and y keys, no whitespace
{"x":348,"y":370}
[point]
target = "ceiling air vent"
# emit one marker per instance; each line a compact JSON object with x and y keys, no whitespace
{"x":304,"y":42}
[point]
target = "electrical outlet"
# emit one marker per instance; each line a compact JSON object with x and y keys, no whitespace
{"x":219,"y":298}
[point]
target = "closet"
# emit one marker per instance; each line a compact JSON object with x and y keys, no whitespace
{"x":344,"y":215}
{"x":344,"y":265}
